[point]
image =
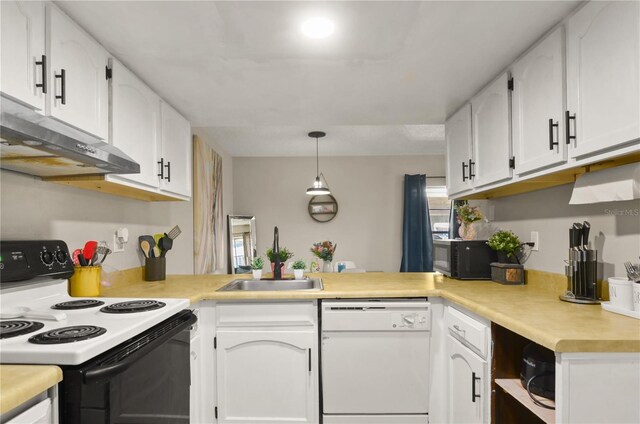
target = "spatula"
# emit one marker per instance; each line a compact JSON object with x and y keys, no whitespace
{"x":174,"y":233}
{"x":89,"y":250}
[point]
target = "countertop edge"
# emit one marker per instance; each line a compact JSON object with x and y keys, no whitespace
{"x":31,"y":381}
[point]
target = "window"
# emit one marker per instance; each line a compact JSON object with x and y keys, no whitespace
{"x":238,"y":250}
{"x":439,"y":207}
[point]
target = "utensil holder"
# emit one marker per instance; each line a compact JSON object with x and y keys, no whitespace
{"x":582,"y":272}
{"x":85,"y":281}
{"x":155,"y":269}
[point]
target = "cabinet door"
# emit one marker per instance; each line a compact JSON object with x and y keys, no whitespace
{"x":267,"y":376}
{"x":603,"y":73}
{"x":176,"y":154}
{"x":467,"y":380}
{"x":135,"y":124}
{"x":79,"y":88}
{"x":458,"y":140}
{"x":195,"y":403}
{"x":22,"y":50}
{"x":491,"y":141}
{"x":538,"y":106}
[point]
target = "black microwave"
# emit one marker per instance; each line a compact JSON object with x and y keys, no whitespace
{"x":463,"y":259}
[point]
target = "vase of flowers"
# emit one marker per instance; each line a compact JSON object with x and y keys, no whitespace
{"x":325,"y":250}
{"x":298,"y":269}
{"x":507,"y":245}
{"x":256,"y":267}
{"x":285,"y":255}
{"x":466,"y":216}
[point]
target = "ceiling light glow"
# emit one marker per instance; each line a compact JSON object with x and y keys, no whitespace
{"x":318,"y":28}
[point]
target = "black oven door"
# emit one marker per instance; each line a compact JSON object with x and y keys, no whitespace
{"x":145,"y":380}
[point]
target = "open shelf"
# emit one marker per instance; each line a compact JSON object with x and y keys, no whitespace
{"x":513,"y":387}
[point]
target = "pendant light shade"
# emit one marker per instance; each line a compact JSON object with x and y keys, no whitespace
{"x":318,"y":188}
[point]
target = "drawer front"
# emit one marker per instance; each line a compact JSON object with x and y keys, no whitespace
{"x":261,"y":314}
{"x":470,"y":331}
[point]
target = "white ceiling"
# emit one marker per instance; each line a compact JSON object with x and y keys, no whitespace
{"x":244,"y":64}
{"x":346,"y":140}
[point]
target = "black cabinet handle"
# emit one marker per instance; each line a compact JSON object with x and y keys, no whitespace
{"x":161,"y":163}
{"x":471,"y":165}
{"x":309,"y":352}
{"x":551,"y":127}
{"x":464,"y":174}
{"x":474,"y":396}
{"x":567,"y":118}
{"x":168,"y":166}
{"x":43,"y":63}
{"x":63,"y":90}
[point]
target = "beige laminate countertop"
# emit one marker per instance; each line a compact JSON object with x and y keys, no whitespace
{"x":533,"y":310}
{"x":19,"y":383}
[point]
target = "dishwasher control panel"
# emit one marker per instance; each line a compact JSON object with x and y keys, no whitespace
{"x":376,"y":315}
{"x":411,"y":320}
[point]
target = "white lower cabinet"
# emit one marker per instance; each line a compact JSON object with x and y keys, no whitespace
{"x":466,"y":381}
{"x":41,"y":409}
{"x":267,"y":362}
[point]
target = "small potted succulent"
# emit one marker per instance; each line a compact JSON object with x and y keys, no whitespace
{"x":256,"y":267}
{"x":506,"y":244}
{"x":298,"y":269}
{"x":285,"y":255}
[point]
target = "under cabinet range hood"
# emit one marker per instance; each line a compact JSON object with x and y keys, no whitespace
{"x":34,"y":144}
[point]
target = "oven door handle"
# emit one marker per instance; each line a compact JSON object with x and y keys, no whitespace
{"x":105,"y":372}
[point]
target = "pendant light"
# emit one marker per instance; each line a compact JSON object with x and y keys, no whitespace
{"x":318,"y":187}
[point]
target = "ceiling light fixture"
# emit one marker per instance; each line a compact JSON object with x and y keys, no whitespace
{"x":318,"y":187}
{"x":317,"y":28}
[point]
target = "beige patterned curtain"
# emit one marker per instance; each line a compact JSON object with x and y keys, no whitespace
{"x":207,"y":209}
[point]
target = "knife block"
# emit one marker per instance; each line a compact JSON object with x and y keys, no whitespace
{"x":581,"y":272}
{"x":155,"y":269}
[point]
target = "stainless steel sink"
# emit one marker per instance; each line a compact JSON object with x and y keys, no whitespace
{"x":309,"y":284}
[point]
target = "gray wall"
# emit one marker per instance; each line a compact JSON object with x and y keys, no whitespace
{"x":33,"y":209}
{"x":368,"y":227}
{"x":615,"y":227}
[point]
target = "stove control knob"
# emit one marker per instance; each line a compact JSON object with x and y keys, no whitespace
{"x":61,"y":257}
{"x":47,"y":257}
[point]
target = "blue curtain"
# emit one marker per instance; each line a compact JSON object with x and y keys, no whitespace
{"x":417,"y":240}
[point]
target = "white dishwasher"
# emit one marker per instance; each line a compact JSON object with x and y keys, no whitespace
{"x":375,"y":361}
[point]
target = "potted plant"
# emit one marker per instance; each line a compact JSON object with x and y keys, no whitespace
{"x":506,"y":244}
{"x":256,"y":267}
{"x":285,"y":255}
{"x":324,"y":250}
{"x":298,"y":269}
{"x":466,"y":216}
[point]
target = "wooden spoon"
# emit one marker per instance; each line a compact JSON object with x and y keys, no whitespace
{"x":146,"y":248}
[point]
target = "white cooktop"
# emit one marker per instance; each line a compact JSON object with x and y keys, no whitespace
{"x":41,"y":296}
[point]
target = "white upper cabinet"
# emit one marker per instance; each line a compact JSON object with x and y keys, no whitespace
{"x":135,"y":124}
{"x":23,"y":62}
{"x":491,"y":137}
{"x":176,"y":158}
{"x":458,"y":140}
{"x":79,"y":86}
{"x":603,"y":73}
{"x":538,"y":106}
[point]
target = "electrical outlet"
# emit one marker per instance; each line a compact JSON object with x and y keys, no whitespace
{"x":534,"y":239}
{"x":117,"y":247}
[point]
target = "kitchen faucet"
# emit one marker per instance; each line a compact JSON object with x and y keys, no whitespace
{"x":277,"y":270}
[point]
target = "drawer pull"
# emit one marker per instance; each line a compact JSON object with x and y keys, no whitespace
{"x":459,"y":330}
